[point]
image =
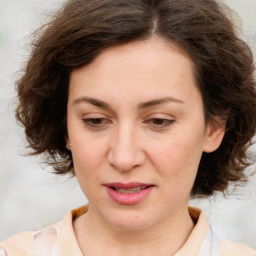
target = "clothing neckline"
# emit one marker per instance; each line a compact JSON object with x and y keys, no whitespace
{"x":69,"y":243}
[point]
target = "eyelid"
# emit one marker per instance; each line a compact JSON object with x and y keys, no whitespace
{"x":167,"y":120}
{"x":94,"y":115}
{"x":89,"y":119}
{"x":89,"y":122}
{"x":160,"y":116}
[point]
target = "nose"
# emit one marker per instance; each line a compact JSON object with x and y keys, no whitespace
{"x":124,"y":153}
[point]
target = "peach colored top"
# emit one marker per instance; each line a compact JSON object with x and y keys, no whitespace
{"x":59,"y":240}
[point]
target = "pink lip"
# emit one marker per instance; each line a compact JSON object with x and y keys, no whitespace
{"x":128,"y":198}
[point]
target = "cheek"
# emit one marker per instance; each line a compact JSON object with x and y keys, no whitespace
{"x":178,"y":171}
{"x":86,"y":161}
{"x":88,"y":156}
{"x":177,"y":158}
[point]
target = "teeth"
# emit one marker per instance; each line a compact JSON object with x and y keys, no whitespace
{"x":129,"y":190}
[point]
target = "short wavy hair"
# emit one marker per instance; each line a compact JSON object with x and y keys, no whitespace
{"x":205,"y":32}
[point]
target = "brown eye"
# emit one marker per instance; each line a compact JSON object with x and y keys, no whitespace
{"x":160,"y":122}
{"x":95,"y":122}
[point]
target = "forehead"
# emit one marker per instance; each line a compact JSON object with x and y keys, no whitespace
{"x":144,"y":68}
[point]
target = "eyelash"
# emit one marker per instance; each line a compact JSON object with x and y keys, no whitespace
{"x":89,"y":122}
{"x":164,"y":122}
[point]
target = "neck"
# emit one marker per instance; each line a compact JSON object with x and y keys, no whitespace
{"x":153,"y":240}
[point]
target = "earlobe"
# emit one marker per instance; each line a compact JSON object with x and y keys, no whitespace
{"x":214,"y":135}
{"x":68,"y":145}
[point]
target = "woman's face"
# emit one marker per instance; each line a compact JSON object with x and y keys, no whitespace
{"x":137,"y":132}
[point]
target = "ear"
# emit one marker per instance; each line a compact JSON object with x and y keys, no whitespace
{"x":68,"y":145}
{"x":215,"y":132}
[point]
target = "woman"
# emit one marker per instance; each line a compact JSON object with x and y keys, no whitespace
{"x":147,"y":103}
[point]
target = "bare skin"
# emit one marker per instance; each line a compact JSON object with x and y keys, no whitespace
{"x":164,"y":242}
{"x":136,"y":115}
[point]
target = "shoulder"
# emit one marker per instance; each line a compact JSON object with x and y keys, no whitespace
{"x":229,"y":248}
{"x":19,"y":244}
{"x":40,"y":242}
{"x":26,"y":243}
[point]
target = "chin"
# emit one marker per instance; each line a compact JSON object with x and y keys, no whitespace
{"x":129,"y":221}
{"x":130,"y":226}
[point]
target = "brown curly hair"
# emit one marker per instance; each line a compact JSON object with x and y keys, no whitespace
{"x":202,"y":29}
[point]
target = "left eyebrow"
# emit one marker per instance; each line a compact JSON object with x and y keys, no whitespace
{"x":155,"y":102}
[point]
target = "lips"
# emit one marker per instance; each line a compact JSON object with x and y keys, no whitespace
{"x":129,"y":193}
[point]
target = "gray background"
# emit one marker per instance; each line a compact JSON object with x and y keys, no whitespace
{"x":30,"y":196}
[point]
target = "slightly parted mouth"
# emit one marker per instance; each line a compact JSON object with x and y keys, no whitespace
{"x":129,"y":188}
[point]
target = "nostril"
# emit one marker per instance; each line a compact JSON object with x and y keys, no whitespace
{"x":124,"y":154}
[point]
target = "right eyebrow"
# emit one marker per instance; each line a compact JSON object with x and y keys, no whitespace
{"x":95,"y":102}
